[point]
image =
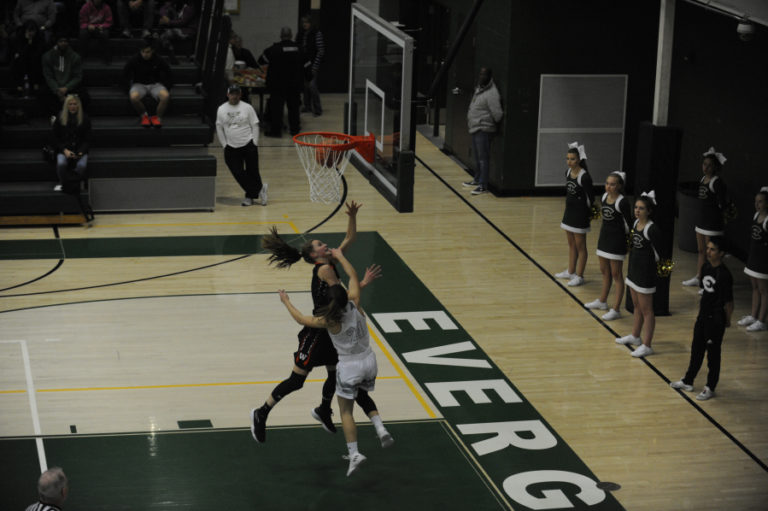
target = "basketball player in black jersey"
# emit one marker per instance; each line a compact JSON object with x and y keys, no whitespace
{"x":315,"y":346}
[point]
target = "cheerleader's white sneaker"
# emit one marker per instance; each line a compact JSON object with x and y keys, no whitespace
{"x":611,"y":315}
{"x":597,"y":304}
{"x":565,"y":274}
{"x":692,"y":282}
{"x":705,"y":394}
{"x":757,"y":326}
{"x":680,"y":384}
{"x":746,"y":320}
{"x":576,"y":281}
{"x":629,"y":339}
{"x":642,"y":351}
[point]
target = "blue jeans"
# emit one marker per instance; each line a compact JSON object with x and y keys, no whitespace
{"x":71,"y":172}
{"x":481,"y":146}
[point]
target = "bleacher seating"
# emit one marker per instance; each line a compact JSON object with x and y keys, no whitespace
{"x":130,"y":168}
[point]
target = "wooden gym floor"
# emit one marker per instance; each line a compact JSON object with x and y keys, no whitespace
{"x":132,"y":349}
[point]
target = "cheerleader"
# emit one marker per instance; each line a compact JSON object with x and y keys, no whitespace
{"x":578,"y":203}
{"x":645,"y":238}
{"x":612,"y":243}
{"x":709,"y":220}
{"x":757,"y":266}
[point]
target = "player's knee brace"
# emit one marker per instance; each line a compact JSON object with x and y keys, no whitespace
{"x":294,"y":382}
{"x":364,"y":400}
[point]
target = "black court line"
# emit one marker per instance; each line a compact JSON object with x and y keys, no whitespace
{"x":183,"y":295}
{"x":49,"y":272}
{"x":598,"y":319}
{"x":129,"y":281}
{"x":61,"y":261}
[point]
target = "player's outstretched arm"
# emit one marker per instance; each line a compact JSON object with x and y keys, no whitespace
{"x":372,"y":273}
{"x":302,"y":319}
{"x":352,"y":208}
{"x":353,"y":288}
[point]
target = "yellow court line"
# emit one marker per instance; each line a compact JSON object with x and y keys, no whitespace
{"x":401,"y":373}
{"x":177,"y":386}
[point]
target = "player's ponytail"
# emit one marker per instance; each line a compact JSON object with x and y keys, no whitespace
{"x":283,"y":255}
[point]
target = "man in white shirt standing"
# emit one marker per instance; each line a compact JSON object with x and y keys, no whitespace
{"x":238,"y":129}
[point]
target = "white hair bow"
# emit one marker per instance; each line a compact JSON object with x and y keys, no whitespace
{"x":623,"y":175}
{"x":764,"y":189}
{"x":651,"y":195}
{"x":580,"y":148}
{"x":720,"y":156}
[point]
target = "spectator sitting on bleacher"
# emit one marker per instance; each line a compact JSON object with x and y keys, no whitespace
{"x":177,"y":22}
{"x":147,"y":73}
{"x":71,"y":135}
{"x":144,"y":9}
{"x":63,"y":72}
{"x":42,"y":12}
{"x":95,"y":21}
{"x":26,"y":66}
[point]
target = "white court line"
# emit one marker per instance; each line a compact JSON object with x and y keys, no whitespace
{"x":32,"y":404}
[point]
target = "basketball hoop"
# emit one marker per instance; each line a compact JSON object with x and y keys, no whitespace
{"x":325,"y":156}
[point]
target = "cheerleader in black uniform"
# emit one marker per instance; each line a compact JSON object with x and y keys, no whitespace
{"x":645,"y":238}
{"x":757,"y":266}
{"x":709,"y":219}
{"x":315,"y":346}
{"x":578,"y":202}
{"x":612,"y":243}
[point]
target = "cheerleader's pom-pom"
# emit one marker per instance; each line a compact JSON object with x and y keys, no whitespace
{"x":664,"y":267}
{"x":594,"y":212}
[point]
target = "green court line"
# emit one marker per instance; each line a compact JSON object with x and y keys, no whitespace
{"x":297,"y":468}
{"x":79,"y":248}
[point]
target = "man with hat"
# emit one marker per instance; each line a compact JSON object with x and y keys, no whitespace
{"x":237,"y":127}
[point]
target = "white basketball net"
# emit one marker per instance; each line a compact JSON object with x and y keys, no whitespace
{"x":324,"y":165}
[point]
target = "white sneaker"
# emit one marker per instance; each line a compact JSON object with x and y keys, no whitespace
{"x":757,"y":326}
{"x":746,"y":320}
{"x":597,"y":304}
{"x":680,"y":384}
{"x":629,"y":339}
{"x":611,"y":315}
{"x":386,"y":440}
{"x":565,"y":274}
{"x":642,"y":351}
{"x":57,"y":188}
{"x":576,"y":281}
{"x":692,"y":282}
{"x":705,"y":394}
{"x":247,"y":202}
{"x":263,"y":194}
{"x":355,"y":460}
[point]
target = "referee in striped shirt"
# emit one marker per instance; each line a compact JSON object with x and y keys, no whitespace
{"x":52,"y":490}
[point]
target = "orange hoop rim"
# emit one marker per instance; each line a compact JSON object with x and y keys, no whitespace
{"x":365,"y":144}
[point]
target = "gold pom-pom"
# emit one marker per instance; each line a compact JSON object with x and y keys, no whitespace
{"x":664,"y":267}
{"x":594,"y":211}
